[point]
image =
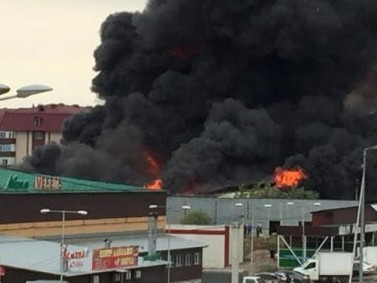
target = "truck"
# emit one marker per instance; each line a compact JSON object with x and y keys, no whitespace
{"x":370,"y":255}
{"x":328,"y":266}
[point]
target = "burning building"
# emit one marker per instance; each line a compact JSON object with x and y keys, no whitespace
{"x":202,"y":94}
{"x":287,"y":178}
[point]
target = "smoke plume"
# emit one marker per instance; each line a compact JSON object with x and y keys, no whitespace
{"x":218,"y":93}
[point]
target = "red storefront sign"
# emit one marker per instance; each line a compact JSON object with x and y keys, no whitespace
{"x":47,"y":183}
{"x":115,"y":257}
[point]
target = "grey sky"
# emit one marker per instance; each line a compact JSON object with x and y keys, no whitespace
{"x":52,"y":42}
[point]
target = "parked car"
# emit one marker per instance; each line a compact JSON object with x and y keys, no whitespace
{"x":295,"y":276}
{"x":367,"y":268}
{"x":252,"y":279}
{"x":268,"y":277}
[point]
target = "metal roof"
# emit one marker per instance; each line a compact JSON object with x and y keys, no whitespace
{"x":44,"y":256}
{"x":163,"y":243}
{"x":27,"y":182}
{"x":30,"y":254}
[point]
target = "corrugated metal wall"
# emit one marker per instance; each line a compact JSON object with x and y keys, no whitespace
{"x":225,"y":210}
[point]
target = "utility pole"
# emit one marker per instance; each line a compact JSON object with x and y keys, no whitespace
{"x":235,"y":263}
{"x":215,"y":212}
{"x":252,"y":241}
{"x":362,"y":212}
{"x":362,"y":218}
{"x":303,"y":234}
{"x":152,"y":226}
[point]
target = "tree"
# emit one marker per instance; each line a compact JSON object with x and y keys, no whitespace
{"x":196,"y":217}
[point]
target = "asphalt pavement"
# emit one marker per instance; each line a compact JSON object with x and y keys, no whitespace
{"x":366,"y":278}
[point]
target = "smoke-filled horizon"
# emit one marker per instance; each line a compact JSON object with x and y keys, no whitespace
{"x":205,"y":94}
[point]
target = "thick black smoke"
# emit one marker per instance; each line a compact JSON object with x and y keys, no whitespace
{"x":221,"y":92}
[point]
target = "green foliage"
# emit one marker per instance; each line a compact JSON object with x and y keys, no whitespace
{"x":196,"y":217}
{"x":268,"y":190}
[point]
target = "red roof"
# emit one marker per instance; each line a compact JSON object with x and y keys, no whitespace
{"x":51,"y":115}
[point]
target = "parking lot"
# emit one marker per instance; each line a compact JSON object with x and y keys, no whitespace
{"x":366,"y":278}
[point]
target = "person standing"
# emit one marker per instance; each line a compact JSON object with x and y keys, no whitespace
{"x":288,"y":278}
{"x":259,"y":229}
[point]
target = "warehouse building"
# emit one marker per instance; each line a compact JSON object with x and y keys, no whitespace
{"x":118,"y":238}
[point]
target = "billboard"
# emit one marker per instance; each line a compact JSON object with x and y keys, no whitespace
{"x":77,"y":258}
{"x":115,"y":257}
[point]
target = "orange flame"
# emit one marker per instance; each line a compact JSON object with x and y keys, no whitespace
{"x":288,"y":178}
{"x":154,"y":171}
{"x":154,"y":185}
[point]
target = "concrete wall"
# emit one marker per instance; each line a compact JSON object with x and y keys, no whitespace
{"x":220,"y":242}
{"x":24,"y":142}
{"x":23,"y":146}
{"x":53,"y":137}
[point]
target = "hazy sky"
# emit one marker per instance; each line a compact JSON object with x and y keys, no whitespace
{"x":52,"y":42}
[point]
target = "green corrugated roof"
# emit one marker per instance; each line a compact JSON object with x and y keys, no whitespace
{"x":16,"y":181}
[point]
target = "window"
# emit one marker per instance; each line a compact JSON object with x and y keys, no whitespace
{"x":4,"y":148}
{"x":188,"y":259}
{"x":116,"y":277}
{"x":38,"y":121}
{"x":197,"y":258}
{"x":310,"y":265}
{"x":178,"y":260}
{"x":4,"y":162}
{"x":95,"y":279}
{"x":137,"y":273}
{"x":7,"y":134}
{"x":12,"y":135}
{"x":7,"y":148}
{"x":38,"y":135}
{"x":128,"y":275}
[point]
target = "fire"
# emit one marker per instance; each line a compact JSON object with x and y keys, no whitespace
{"x":154,"y":185}
{"x":154,"y":169}
{"x":153,"y":165}
{"x":288,"y":177}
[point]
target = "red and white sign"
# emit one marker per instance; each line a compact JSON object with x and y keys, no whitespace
{"x":78,"y":258}
{"x":47,"y":183}
{"x":115,"y":257}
